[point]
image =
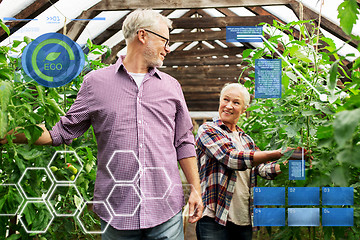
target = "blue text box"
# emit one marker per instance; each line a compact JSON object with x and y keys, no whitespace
{"x":303,"y":195}
{"x":337,"y":196}
{"x":269,"y":196}
{"x":296,"y":170}
{"x":268,"y":78}
{"x":338,"y":217}
{"x":243,"y":34}
{"x":269,"y":216}
{"x":303,"y":217}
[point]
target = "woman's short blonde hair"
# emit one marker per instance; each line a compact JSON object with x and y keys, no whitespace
{"x":244,"y":92}
{"x":140,"y":19}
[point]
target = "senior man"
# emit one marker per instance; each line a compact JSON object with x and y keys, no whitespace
{"x":229,"y":161}
{"x":134,"y":107}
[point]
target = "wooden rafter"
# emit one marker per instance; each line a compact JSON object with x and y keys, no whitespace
{"x":182,"y":4}
{"x":30,"y":12}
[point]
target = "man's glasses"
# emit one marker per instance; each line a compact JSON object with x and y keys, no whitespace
{"x":167,"y":40}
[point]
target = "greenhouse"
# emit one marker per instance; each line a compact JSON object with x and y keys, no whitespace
{"x":104,"y":130}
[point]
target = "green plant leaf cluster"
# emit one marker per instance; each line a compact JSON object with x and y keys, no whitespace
{"x":329,"y":129}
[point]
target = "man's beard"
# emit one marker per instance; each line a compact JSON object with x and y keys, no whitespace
{"x":151,"y":57}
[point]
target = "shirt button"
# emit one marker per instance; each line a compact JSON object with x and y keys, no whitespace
{"x":139,"y":121}
{"x":140,"y":145}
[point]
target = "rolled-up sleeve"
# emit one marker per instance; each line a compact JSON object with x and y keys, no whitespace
{"x":76,"y":121}
{"x":184,"y":139}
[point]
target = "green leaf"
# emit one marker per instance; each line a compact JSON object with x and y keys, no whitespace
{"x":5,"y":94}
{"x":3,"y":26}
{"x":247,"y":52}
{"x":253,"y":108}
{"x":348,"y":11}
{"x":53,"y":56}
{"x":340,"y":176}
{"x":332,"y":75}
{"x":29,"y":155}
{"x":77,"y":202}
{"x":27,"y":40}
{"x":14,"y":237}
{"x":3,"y":123}
{"x":291,"y":131}
{"x":324,"y":132}
{"x":345,"y":124}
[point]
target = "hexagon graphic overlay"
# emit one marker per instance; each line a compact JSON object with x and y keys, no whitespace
{"x":38,"y":222}
{"x":178,"y":191}
{"x":35,"y":190}
{"x":124,"y":166}
{"x":154,"y":183}
{"x":124,"y":200}
{"x":10,"y":205}
{"x":65,"y":200}
{"x":65,"y":166}
{"x":89,"y":221}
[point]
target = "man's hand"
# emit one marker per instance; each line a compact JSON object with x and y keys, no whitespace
{"x":196,"y":206}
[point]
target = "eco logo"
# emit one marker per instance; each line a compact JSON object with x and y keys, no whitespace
{"x":53,"y":60}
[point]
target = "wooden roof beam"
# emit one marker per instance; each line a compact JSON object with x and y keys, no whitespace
{"x":30,"y":12}
{"x":182,"y":4}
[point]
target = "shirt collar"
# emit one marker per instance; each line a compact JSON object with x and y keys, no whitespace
{"x":120,"y":66}
{"x":219,"y":123}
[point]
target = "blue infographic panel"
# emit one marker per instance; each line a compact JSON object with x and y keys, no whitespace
{"x":267,"y":78}
{"x":243,"y":34}
{"x":269,"y":216}
{"x":269,"y":195}
{"x":338,"y":217}
{"x":337,"y":196}
{"x":296,"y":170}
{"x":303,"y":195}
{"x":303,"y":217}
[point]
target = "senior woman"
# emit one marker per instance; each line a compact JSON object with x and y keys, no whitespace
{"x":229,"y":161}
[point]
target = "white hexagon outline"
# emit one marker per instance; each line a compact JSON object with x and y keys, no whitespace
{"x":76,"y":175}
{"x":22,"y":201}
{"x":47,"y":227}
{"x":94,"y":232}
{"x":52,"y":192}
{"x":124,"y":181}
{"x":167,"y":190}
{"x":22,"y":176}
{"x":136,"y":208}
{"x":183,"y":184}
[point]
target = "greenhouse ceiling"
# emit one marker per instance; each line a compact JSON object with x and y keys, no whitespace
{"x":202,"y":41}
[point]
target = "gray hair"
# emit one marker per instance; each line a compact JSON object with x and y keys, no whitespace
{"x":244,"y":92}
{"x":142,"y":18}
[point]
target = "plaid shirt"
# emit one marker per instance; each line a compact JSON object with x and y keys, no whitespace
{"x":218,"y":160}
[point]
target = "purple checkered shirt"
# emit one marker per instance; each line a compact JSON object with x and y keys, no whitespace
{"x":150,"y":123}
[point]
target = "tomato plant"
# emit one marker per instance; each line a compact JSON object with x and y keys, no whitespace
{"x":329,"y":129}
{"x":23,"y":105}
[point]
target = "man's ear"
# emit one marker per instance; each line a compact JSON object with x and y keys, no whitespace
{"x":141,"y":36}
